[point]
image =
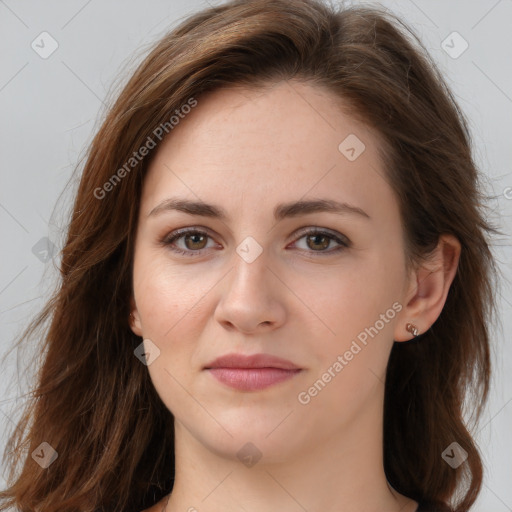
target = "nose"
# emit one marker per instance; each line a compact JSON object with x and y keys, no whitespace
{"x":252,"y":297}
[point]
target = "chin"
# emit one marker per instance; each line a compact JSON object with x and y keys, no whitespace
{"x":251,"y":442}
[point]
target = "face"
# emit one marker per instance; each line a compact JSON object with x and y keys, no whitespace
{"x":319,"y":288}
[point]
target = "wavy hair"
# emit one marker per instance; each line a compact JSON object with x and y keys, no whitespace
{"x":93,"y":401}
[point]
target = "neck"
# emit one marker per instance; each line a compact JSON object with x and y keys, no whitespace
{"x":341,"y":472}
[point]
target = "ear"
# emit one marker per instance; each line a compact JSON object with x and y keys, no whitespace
{"x":134,"y":320}
{"x":428,"y":288}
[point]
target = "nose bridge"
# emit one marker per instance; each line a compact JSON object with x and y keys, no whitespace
{"x":250,"y":273}
{"x":251,"y":257}
{"x":250,"y":296}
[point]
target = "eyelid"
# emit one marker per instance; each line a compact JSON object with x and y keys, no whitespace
{"x":186,"y":230}
{"x":335,"y":235}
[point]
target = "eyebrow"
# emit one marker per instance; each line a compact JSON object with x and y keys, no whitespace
{"x":281,"y":211}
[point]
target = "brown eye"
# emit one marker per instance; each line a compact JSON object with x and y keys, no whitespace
{"x":189,"y":242}
{"x":195,"y":241}
{"x":318,"y":241}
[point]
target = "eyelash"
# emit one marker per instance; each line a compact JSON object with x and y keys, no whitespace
{"x":168,"y":240}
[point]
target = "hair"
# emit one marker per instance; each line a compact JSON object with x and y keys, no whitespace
{"x":94,"y":402}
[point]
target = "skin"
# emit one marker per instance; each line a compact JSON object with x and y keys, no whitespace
{"x":248,"y":150}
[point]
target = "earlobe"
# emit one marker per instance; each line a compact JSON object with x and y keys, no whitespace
{"x":412,"y":329}
{"x":407,"y":331}
{"x":134,"y":320}
{"x":431,"y":286}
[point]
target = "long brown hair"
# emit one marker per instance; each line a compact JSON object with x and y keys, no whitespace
{"x":94,"y":402}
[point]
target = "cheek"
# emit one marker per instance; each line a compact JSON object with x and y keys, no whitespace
{"x":167,"y":297}
{"x":359,"y":307}
{"x":352,"y":297}
{"x":169,"y":303}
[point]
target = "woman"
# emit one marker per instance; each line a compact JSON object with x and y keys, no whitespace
{"x":276,"y":285}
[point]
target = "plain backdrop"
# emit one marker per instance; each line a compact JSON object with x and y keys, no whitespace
{"x":52,"y":94}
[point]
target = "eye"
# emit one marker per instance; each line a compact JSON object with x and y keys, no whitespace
{"x":317,"y":240}
{"x":193,"y":241}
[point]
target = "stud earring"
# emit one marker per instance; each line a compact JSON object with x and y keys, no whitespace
{"x":412,"y":329}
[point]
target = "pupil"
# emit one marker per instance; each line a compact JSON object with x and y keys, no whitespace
{"x":195,"y":236}
{"x":315,"y":237}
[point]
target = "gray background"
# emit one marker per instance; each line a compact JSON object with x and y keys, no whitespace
{"x":52,"y":106}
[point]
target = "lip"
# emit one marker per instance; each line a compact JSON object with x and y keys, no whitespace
{"x":251,"y":373}
{"x":251,"y":379}
{"x":242,"y":361}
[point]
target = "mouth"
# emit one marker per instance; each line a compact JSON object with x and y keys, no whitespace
{"x":251,"y":372}
{"x":252,"y":379}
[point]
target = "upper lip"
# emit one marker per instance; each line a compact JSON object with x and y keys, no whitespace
{"x":252,"y":361}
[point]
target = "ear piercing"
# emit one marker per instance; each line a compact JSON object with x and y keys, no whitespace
{"x":412,"y":329}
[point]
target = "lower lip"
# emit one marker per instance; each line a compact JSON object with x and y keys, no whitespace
{"x":251,"y":379}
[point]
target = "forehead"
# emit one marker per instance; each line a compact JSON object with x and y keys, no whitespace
{"x":263,"y":146}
